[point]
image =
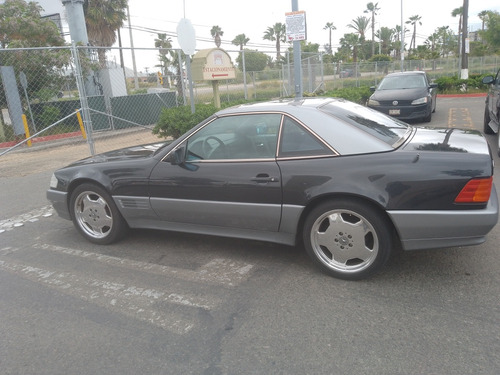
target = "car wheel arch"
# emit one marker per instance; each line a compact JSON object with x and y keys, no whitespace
{"x":317,"y":201}
{"x":80,"y":181}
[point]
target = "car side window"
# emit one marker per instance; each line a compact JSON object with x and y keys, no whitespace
{"x":297,"y":141}
{"x":236,"y":137}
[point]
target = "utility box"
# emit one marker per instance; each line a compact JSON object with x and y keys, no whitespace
{"x":213,"y":64}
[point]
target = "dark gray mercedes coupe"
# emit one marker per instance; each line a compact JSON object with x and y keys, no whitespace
{"x":348,"y":182}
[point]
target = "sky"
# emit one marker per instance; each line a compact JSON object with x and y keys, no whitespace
{"x":252,"y":18}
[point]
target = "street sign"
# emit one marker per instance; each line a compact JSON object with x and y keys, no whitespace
{"x":296,"y":26}
{"x":186,"y":36}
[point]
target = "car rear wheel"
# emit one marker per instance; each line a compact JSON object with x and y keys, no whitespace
{"x":486,"y":121}
{"x":95,"y":215}
{"x":348,"y":239}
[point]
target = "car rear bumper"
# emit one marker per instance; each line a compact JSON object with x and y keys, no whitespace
{"x":59,"y":202}
{"x":436,"y":229}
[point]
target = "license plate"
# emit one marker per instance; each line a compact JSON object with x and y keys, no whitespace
{"x":394,"y":112}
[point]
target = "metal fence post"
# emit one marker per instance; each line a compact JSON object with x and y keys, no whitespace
{"x":87,"y":122}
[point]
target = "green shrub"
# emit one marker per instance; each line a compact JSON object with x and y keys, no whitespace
{"x":354,"y":94}
{"x":174,"y":122}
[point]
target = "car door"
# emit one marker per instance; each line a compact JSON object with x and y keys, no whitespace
{"x":494,"y":98}
{"x":228,"y":176}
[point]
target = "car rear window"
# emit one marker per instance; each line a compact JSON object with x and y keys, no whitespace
{"x":385,"y":128}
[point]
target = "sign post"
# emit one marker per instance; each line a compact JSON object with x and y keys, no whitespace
{"x":187,"y":40}
{"x":296,"y":32}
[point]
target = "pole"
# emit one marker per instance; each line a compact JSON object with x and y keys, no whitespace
{"x":136,"y":81}
{"x":297,"y":62}
{"x":464,"y":73}
{"x":402,"y":53}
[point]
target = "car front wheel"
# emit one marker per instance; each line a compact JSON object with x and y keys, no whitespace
{"x":95,"y":215}
{"x":348,"y":239}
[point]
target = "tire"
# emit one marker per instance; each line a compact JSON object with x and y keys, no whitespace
{"x":95,"y":215}
{"x":428,"y":118}
{"x":348,"y":239}
{"x":486,"y":121}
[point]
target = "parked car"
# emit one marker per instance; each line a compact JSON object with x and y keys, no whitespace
{"x":492,"y":107}
{"x":405,"y":95}
{"x":348,"y":182}
{"x":346,"y":73}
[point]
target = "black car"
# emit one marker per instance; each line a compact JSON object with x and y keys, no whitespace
{"x":346,"y":181}
{"x":405,"y":95}
{"x":492,"y":107}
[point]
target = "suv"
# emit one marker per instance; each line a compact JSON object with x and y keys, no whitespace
{"x":492,"y":108}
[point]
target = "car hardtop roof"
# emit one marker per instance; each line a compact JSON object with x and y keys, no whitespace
{"x":283,"y":105}
{"x":412,"y":72}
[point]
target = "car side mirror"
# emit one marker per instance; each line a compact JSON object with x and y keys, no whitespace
{"x":488,"y":80}
{"x":372,"y":89}
{"x":177,"y":156}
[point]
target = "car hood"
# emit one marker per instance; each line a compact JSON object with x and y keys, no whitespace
{"x":400,"y":94}
{"x":134,"y":152}
{"x":448,"y":139}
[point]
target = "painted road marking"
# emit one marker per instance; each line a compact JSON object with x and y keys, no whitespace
{"x":218,"y":271}
{"x":460,"y":118}
{"x":131,"y":300}
{"x":137,"y":301}
{"x":20,"y":220}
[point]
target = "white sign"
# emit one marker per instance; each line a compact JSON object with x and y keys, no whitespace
{"x":296,"y":26}
{"x":186,"y":36}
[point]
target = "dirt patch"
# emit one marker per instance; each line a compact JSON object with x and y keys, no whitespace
{"x":49,"y":157}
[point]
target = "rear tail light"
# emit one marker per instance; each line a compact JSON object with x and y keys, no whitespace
{"x":476,"y":191}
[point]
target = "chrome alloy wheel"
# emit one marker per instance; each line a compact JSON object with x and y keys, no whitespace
{"x":93,"y":214}
{"x":344,"y":241}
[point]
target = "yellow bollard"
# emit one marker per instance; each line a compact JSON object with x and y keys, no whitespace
{"x":79,"y":116}
{"x":26,"y":129}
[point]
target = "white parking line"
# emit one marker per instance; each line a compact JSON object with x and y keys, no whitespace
{"x":218,"y":271}
{"x":20,"y":220}
{"x":134,"y":301}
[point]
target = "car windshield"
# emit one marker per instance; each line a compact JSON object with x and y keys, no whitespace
{"x":402,"y":82}
{"x":385,"y":128}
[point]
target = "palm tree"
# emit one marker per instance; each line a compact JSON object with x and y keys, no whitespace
{"x":413,"y":20}
{"x":385,"y":35}
{"x":483,"y":16}
{"x":330,"y":27}
{"x":372,"y":8}
{"x":454,"y":13}
{"x":103,"y":18}
{"x":350,"y":42}
{"x":276,"y":33}
{"x":360,"y":24}
{"x":164,"y":45}
{"x":240,"y":40}
{"x":216,"y":33}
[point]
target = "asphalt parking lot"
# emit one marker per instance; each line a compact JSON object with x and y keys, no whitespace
{"x":170,"y":303}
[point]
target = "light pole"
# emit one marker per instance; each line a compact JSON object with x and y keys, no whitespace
{"x":402,"y":52}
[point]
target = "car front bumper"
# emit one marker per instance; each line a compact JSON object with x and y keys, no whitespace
{"x":413,"y":112}
{"x":59,"y":200}
{"x":420,"y":230}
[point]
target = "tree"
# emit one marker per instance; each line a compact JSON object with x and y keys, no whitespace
{"x":454,"y":13}
{"x":385,"y":35}
{"x":216,"y":33}
{"x":330,"y":27}
{"x":360,"y":24}
{"x":349,"y":46}
{"x":413,"y":20}
{"x":20,"y":27}
{"x":103,"y":18}
{"x":255,"y":61}
{"x":483,"y":16}
{"x":491,"y":34}
{"x":240,"y":40}
{"x":372,"y":9}
{"x":164,"y":45}
{"x":276,"y":33}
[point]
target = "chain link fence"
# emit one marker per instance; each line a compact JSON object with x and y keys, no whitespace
{"x":85,"y":98}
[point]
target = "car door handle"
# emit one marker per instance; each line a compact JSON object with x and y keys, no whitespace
{"x":264,"y":178}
